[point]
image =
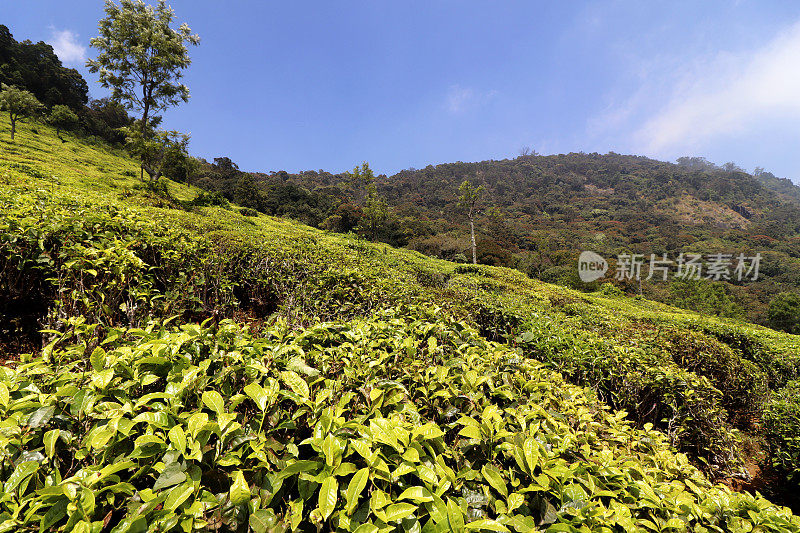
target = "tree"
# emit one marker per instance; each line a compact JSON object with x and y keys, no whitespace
{"x":247,"y":194}
{"x":142,"y":58}
{"x":704,"y":296}
{"x":18,"y":103}
{"x":784,"y":312}
{"x":361,"y":178}
{"x":62,"y":118}
{"x":155,"y":149}
{"x":468,"y":201}
{"x":104,"y":117}
{"x":375,"y":212}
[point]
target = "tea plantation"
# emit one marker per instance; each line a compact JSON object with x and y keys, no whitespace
{"x":169,"y":366}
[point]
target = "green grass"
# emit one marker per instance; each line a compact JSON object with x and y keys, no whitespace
{"x":82,"y":241}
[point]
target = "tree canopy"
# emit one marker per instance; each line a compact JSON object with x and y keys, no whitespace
{"x":62,"y":118}
{"x":141,"y":57}
{"x":18,"y":103}
{"x":784,"y":312}
{"x":141,"y":60}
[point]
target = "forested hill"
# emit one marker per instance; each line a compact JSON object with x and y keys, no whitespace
{"x":597,"y":188}
{"x":539,"y":212}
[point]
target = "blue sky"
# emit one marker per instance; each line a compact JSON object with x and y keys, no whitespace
{"x":325,"y":85}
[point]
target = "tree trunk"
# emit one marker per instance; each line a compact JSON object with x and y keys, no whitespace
{"x":144,"y":126}
{"x":472,"y":234}
{"x":13,"y":127}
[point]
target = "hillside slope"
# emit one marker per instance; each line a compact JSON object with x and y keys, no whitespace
{"x":540,"y":212}
{"x":134,"y":396}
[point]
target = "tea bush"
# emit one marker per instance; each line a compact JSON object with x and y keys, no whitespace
{"x":687,"y":407}
{"x":782,"y":428}
{"x":408,"y":421}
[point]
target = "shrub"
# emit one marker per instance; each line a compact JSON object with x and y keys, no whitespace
{"x":609,"y":289}
{"x":784,"y":312}
{"x":782,"y":429}
{"x":651,"y":389}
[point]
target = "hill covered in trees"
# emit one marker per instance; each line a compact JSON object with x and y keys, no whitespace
{"x":536,"y":214}
{"x":34,"y":67}
{"x":539,"y":213}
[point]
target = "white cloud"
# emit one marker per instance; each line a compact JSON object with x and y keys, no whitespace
{"x":460,"y":99}
{"x":66,"y":46}
{"x":723,"y":97}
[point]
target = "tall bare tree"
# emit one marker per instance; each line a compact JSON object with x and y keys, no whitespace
{"x":469,"y":201}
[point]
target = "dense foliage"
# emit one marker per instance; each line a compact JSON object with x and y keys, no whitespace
{"x":36,"y":68}
{"x":402,"y":422}
{"x":782,"y":424}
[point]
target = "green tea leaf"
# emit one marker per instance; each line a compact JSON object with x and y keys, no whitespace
{"x":354,"y":489}
{"x":53,"y":515}
{"x":495,"y":479}
{"x":20,"y":474}
{"x":172,"y":475}
{"x":178,"y":495}
{"x":296,"y":383}
{"x":454,"y":516}
{"x":196,"y":423}
{"x":240,"y":490}
{"x":4,"y":395}
{"x":41,"y":416}
{"x":102,"y":379}
{"x":487,"y":525}
{"x":297,"y":467}
{"x":50,"y":438}
{"x":328,"y":494}
{"x":98,"y":359}
{"x":213,"y":400}
{"x":258,"y":394}
{"x":178,"y":438}
{"x":416,"y":494}
{"x":263,"y":520}
{"x":531,"y":451}
{"x":398,"y":511}
{"x":470,"y":432}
